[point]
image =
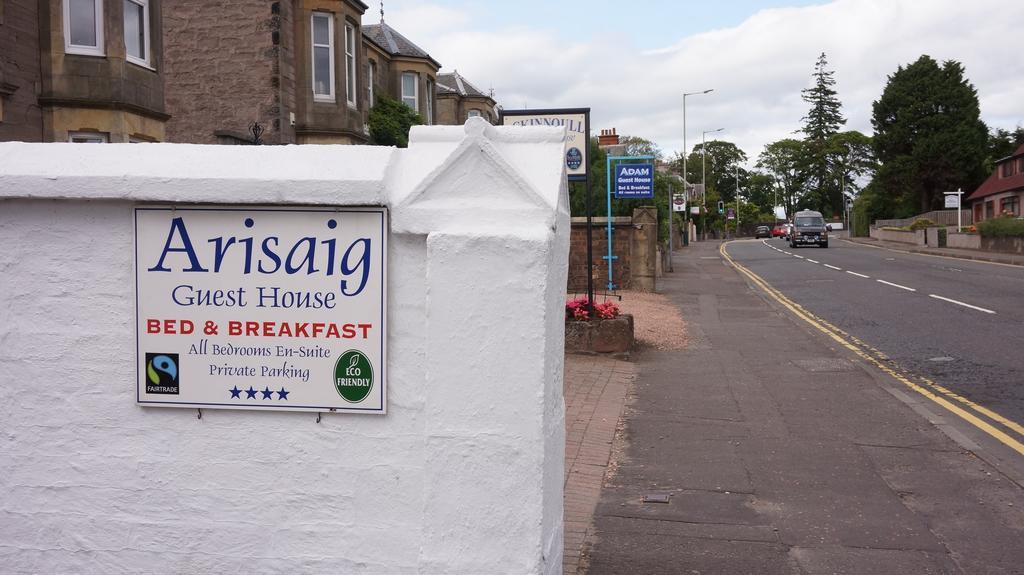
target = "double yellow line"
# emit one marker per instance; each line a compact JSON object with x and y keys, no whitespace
{"x":961,"y":406}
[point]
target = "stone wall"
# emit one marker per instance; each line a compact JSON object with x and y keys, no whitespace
{"x":20,"y":116}
{"x":907,"y":237}
{"x":963,"y":241}
{"x":463,"y":475}
{"x":226,"y":93}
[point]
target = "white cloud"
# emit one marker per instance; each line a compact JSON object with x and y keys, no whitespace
{"x":756,"y":68}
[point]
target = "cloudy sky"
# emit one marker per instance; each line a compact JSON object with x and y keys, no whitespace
{"x":630,"y":62}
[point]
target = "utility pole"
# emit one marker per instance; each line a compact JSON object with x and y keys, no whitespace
{"x":670,"y":208}
{"x":704,"y":182}
{"x":737,"y":200}
{"x":686,"y":190}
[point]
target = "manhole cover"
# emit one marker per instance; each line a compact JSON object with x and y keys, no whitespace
{"x":823,"y":364}
{"x":656,"y":497}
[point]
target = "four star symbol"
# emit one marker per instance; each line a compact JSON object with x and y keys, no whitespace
{"x":251,"y":393}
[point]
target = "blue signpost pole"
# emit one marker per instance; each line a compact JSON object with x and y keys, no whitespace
{"x":608,"y":175}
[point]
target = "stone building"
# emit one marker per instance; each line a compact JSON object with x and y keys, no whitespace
{"x":195,"y":71}
{"x":402,"y":70}
{"x":290,"y":67}
{"x":459,"y":100}
{"x":81,"y":70}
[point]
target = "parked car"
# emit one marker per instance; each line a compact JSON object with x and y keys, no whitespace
{"x":779,"y":231}
{"x":762,"y":232}
{"x":808,"y":228}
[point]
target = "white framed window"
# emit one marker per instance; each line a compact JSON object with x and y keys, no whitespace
{"x":136,"y":31}
{"x":87,"y":137}
{"x":83,"y":27}
{"x":371,"y":76}
{"x":350,"y":64}
{"x":474,"y":113}
{"x":411,"y":90}
{"x":322,"y":56}
{"x":430,"y":102}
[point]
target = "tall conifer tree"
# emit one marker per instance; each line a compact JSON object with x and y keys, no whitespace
{"x":821,"y":124}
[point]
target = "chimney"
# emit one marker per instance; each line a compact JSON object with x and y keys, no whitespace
{"x":608,"y":138}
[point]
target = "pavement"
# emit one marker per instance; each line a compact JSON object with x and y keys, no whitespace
{"x":976,"y":255}
{"x":766,"y":448}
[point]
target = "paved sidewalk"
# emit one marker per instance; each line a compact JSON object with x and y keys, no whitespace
{"x":779,"y":454}
{"x":977,"y":255}
{"x":595,"y":391}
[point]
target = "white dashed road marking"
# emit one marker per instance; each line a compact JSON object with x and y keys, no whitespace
{"x":813,"y":261}
{"x":833,"y":267}
{"x":974,"y":307}
{"x":857,"y":274}
{"x":896,"y":285}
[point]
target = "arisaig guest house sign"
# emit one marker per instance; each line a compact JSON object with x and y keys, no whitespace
{"x":261,"y":308}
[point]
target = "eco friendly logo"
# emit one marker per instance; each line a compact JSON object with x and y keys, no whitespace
{"x":353,"y":376}
{"x":162,"y":373}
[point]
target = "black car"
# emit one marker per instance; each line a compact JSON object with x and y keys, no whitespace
{"x":763,"y":232}
{"x":809,"y":227}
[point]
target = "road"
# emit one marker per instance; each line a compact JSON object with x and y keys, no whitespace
{"x":955,"y":322}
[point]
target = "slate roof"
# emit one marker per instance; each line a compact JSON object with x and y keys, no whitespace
{"x":394,"y":43}
{"x":454,"y":83}
{"x":996,"y":184}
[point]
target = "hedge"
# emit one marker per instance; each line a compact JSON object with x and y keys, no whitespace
{"x":1001,"y":228}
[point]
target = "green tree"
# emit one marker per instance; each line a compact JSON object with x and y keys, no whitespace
{"x":637,"y":146}
{"x":824,"y":118}
{"x":821,"y":124}
{"x":851,"y":162}
{"x":390,"y":121}
{"x":761,"y":192}
{"x":929,"y":137}
{"x":1002,"y":143}
{"x":723,"y":159}
{"x":784,"y":162}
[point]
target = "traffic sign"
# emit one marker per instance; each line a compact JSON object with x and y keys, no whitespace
{"x":678,"y":203}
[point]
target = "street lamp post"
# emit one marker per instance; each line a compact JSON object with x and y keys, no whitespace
{"x":686,"y":191}
{"x":704,"y":182}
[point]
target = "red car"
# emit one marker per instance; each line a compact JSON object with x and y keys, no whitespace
{"x":779,"y":231}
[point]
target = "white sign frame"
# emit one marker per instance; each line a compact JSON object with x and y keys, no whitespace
{"x":282,"y":358}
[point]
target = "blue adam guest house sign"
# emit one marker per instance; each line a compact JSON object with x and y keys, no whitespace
{"x":634,"y":181}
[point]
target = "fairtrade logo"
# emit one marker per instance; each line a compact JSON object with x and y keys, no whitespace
{"x":353,"y":376}
{"x":573,"y":158}
{"x":162,"y":373}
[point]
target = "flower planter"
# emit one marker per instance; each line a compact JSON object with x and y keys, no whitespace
{"x":599,"y":335}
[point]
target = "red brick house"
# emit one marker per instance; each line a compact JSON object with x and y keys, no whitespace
{"x":1003,"y":191}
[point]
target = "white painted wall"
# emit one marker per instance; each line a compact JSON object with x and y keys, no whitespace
{"x":463,"y":475}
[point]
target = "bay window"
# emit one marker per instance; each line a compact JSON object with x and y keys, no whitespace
{"x":322,"y":56}
{"x":350,"y":64}
{"x":83,"y":27}
{"x":136,"y":31}
{"x":410,"y":90}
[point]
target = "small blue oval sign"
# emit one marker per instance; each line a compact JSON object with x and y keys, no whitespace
{"x":573,"y":158}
